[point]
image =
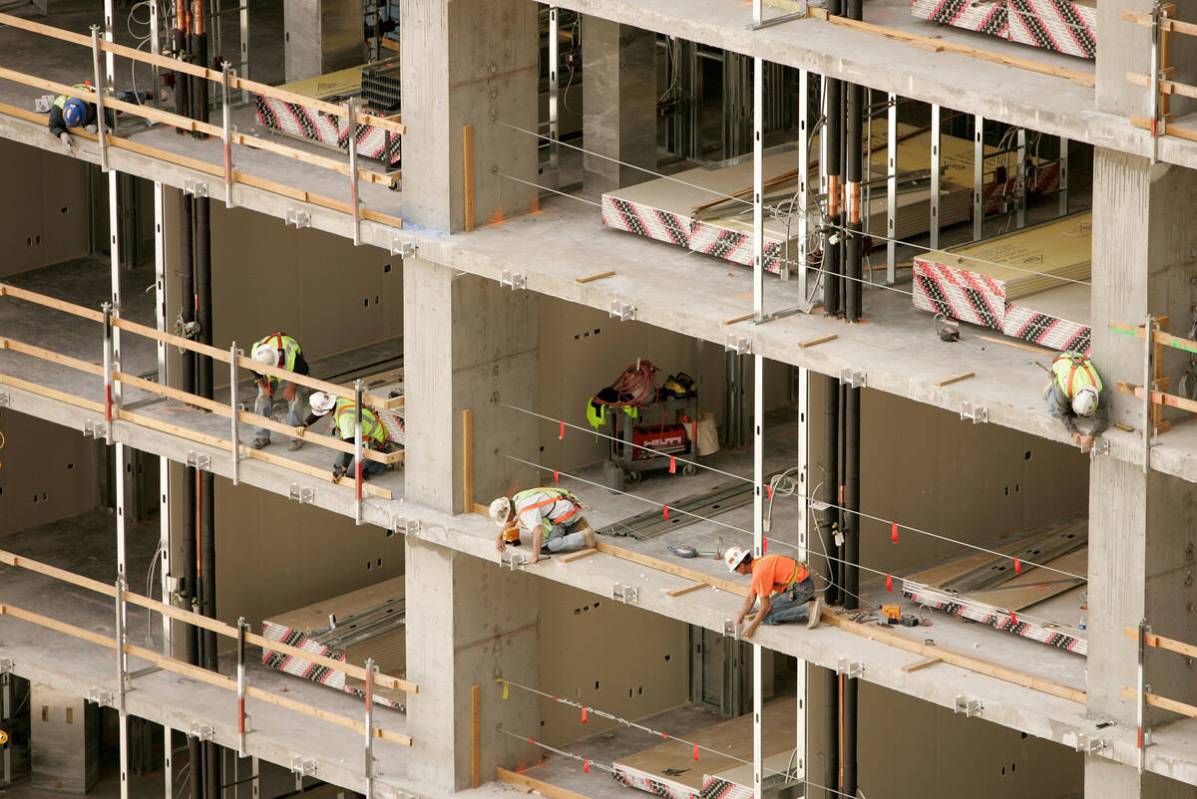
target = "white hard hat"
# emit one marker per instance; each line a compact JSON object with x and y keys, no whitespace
{"x":1085,"y":402}
{"x":266,"y":354}
{"x":321,"y":402}
{"x":500,"y":510}
{"x":734,"y":557}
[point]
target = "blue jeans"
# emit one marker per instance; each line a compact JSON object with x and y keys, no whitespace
{"x":296,"y":409}
{"x":792,"y":604}
{"x":559,"y":539}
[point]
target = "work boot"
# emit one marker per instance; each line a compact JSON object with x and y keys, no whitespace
{"x":259,"y":443}
{"x":587,"y":532}
{"x":816,"y":609}
{"x":296,"y":443}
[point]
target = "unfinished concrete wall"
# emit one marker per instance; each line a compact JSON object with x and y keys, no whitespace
{"x":274,"y":555}
{"x":47,"y":472}
{"x":605,"y":654}
{"x":48,"y":220}
{"x":267,"y":276}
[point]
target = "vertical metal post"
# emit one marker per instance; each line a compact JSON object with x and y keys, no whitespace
{"x":256,"y":785}
{"x":1148,"y":385}
{"x":891,"y":190}
{"x":803,"y":542}
{"x":823,"y":136}
{"x":155,"y":72}
{"x":803,"y":177}
{"x":978,"y":177}
{"x":935,"y":129}
{"x":241,"y":717}
{"x":1143,"y":733}
{"x":164,"y":551}
{"x":234,"y":414}
{"x":122,"y":679}
{"x":101,"y":132}
{"x":1159,"y":124}
{"x":868,"y":168}
{"x":369,"y":752}
{"x":109,"y":413}
{"x":1063,"y":172}
{"x":357,"y":451}
{"x":227,"y":120}
{"x":213,"y":25}
{"x":244,"y":65}
{"x":1020,"y":181}
{"x":6,"y":711}
{"x":351,"y":118}
{"x":554,"y":89}
{"x":758,"y":157}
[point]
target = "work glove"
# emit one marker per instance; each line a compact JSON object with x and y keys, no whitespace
{"x":289,"y":392}
{"x":67,"y":143}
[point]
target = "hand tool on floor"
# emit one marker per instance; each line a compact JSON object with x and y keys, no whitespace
{"x":687,"y":551}
{"x":947,"y":329}
{"x":893,"y":615}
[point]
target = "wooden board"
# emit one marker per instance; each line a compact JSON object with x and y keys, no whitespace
{"x":529,"y":784}
{"x":732,"y":739}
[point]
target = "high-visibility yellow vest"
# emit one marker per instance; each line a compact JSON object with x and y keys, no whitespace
{"x":521,"y":504}
{"x":287,"y":347}
{"x":61,"y":99}
{"x":374,"y":432}
{"x":1072,"y":372}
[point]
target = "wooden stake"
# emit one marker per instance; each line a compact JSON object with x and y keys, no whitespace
{"x":685,"y":590}
{"x":585,"y":553}
{"x":921,"y":664}
{"x":532,"y":784}
{"x":1015,"y":344}
{"x":467,"y":460}
{"x":475,"y":736}
{"x":737,"y":319}
{"x":596,"y":276}
{"x":947,"y":381}
{"x":467,"y":176}
{"x":814,"y":342}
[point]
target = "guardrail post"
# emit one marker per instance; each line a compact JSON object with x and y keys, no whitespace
{"x":369,"y":728}
{"x":244,"y":14}
{"x":241,"y":717}
{"x":351,"y":117}
{"x":234,"y":415}
{"x":1148,"y":386}
{"x":227,"y":118}
{"x":108,"y":398}
{"x":101,"y":133}
{"x":122,"y":683}
{"x":357,"y":451}
{"x":1144,"y":731}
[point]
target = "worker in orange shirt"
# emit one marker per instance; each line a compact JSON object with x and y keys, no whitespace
{"x":784,"y":586}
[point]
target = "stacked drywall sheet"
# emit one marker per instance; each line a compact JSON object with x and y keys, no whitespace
{"x":670,"y":770}
{"x":1065,"y":26}
{"x":367,"y":623}
{"x":1031,"y":284}
{"x":302,"y":122}
{"x":676,"y":209}
{"x":1003,"y":591}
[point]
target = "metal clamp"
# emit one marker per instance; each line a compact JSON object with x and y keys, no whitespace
{"x":853,"y":378}
{"x":198,"y":460}
{"x":511,"y":559}
{"x":5,"y":399}
{"x":513,"y":280}
{"x":731,"y":629}
{"x":1100,"y":447}
{"x":740,"y":345}
{"x":623,"y":311}
{"x":95,"y":429}
{"x":297,"y":217}
{"x":201,"y":731}
{"x":399,"y":246}
{"x":195,"y":187}
{"x":1090,"y":746}
{"x":974,"y":413}
{"x":100,"y":696}
{"x":969,"y":707}
{"x":304,"y":495}
{"x":7,"y":666}
{"x":627,"y":594}
{"x":852,"y":669}
{"x":302,"y":766}
{"x":411,"y":527}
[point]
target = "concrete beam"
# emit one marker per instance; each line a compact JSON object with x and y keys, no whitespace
{"x":468,"y":62}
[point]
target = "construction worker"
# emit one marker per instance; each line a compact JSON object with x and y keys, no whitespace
{"x":281,"y":351}
{"x":788,"y":580}
{"x":76,"y":112}
{"x":553,"y":517}
{"x":375,"y":435}
{"x":1075,"y":391}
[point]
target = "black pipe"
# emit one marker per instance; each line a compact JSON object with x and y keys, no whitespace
{"x":831,"y":771}
{"x":202,"y":243}
{"x":851,"y":523}
{"x":198,"y":45}
{"x":182,"y":80}
{"x":845,"y":521}
{"x":190,"y":584}
{"x":849,"y":735}
{"x":830,"y":480}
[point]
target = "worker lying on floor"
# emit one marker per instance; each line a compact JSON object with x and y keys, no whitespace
{"x":75,"y":112}
{"x":1075,"y":391}
{"x":284,"y":352}
{"x":375,"y":435}
{"x":552,"y":516}
{"x":774,"y":576}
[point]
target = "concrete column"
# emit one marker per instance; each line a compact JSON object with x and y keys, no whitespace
{"x":468,"y":62}
{"x":468,"y":343}
{"x":1123,"y":47}
{"x":619,"y":103}
{"x":1141,"y":538}
{"x":468,"y":623}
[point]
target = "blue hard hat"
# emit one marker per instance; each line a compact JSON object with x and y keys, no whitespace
{"x":74,"y":112}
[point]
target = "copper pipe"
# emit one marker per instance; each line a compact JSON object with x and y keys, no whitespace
{"x":833,"y":195}
{"x":197,"y":17}
{"x":854,"y":202}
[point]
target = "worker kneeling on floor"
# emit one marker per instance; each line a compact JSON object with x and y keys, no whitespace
{"x":1075,"y":391}
{"x":375,"y":435}
{"x":785,"y":587}
{"x":283,"y":352}
{"x":552,"y":516}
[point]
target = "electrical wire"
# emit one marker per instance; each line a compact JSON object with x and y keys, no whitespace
{"x":860,"y":514}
